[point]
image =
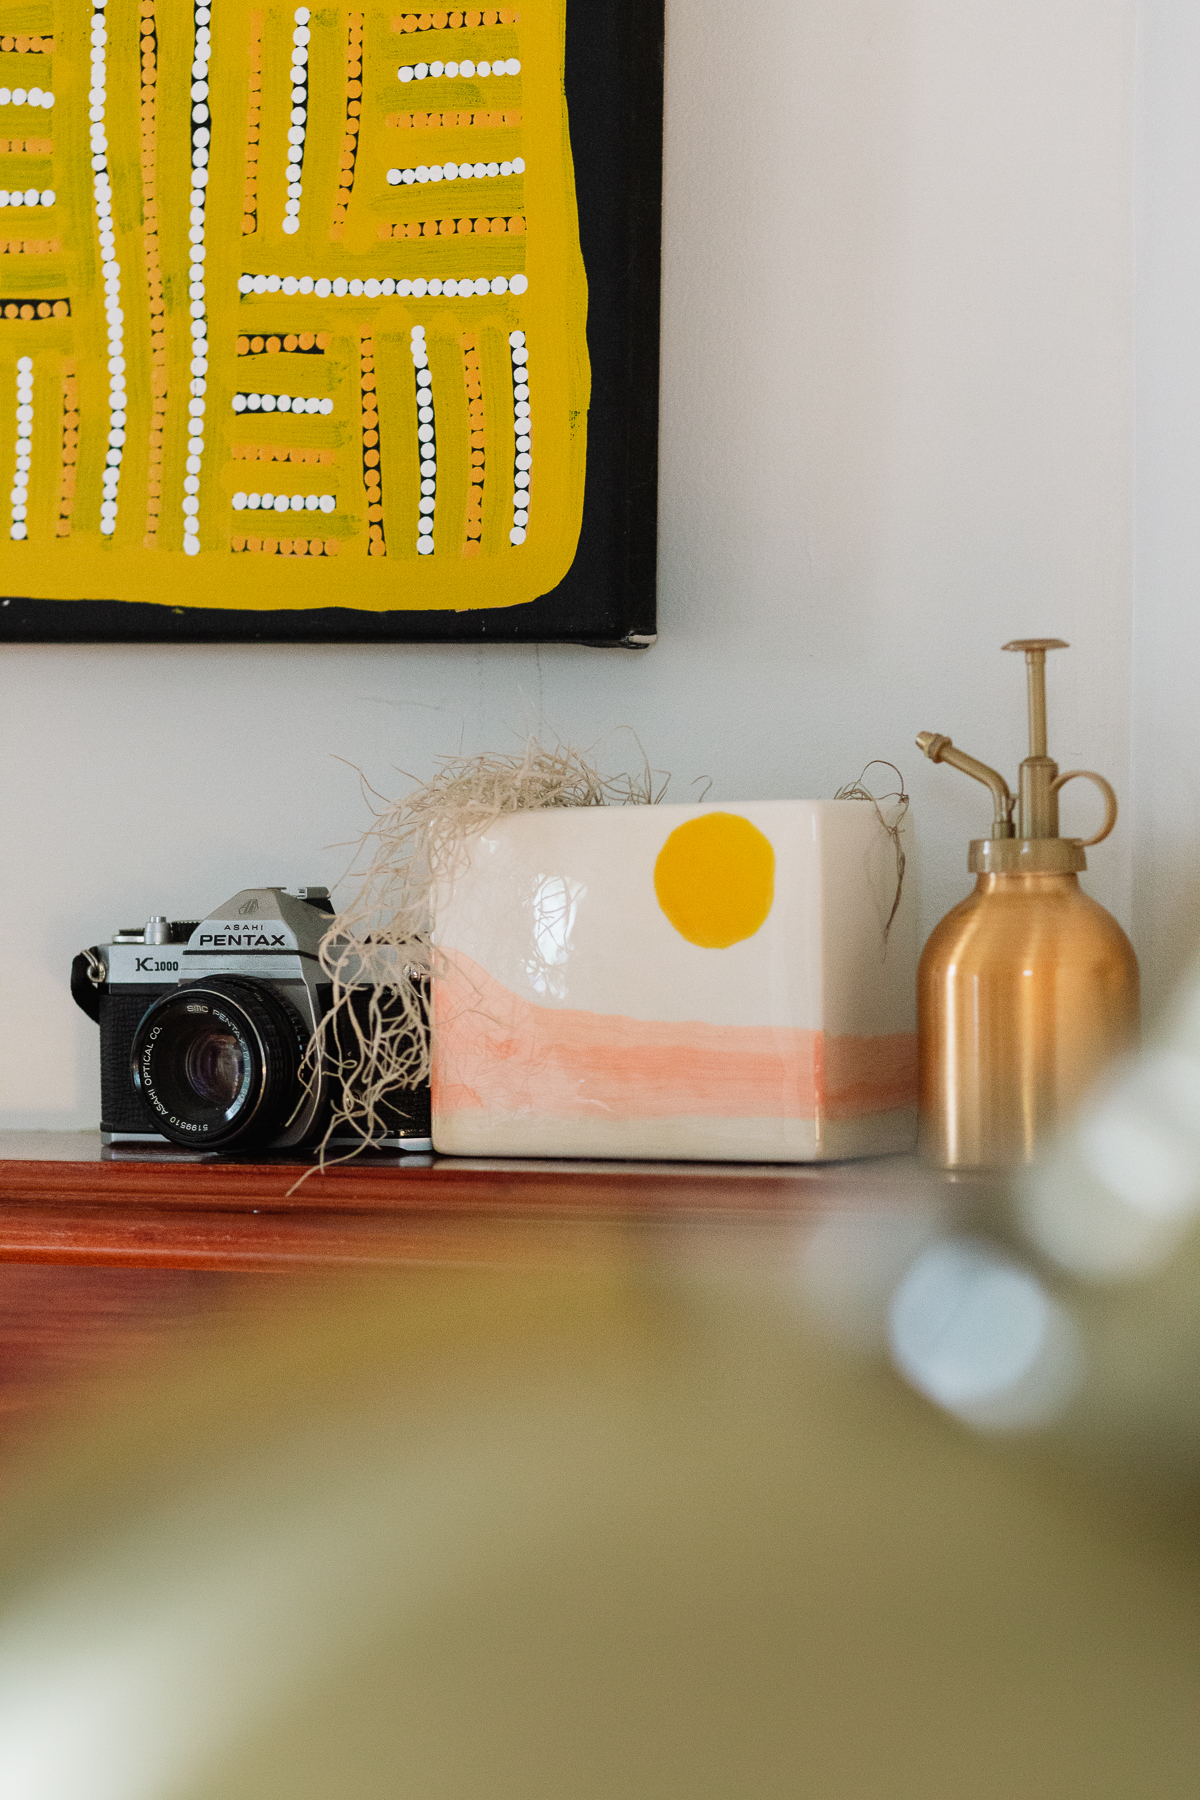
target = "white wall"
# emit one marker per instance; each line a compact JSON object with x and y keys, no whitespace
{"x":896,"y":431}
{"x":1167,"y":638}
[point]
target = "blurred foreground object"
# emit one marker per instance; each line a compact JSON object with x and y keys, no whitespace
{"x":1028,"y":987}
{"x":633,"y":1532}
{"x":1114,"y":1215}
{"x":1061,"y":1308}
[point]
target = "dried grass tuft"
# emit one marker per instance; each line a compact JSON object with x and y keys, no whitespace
{"x":858,"y":790}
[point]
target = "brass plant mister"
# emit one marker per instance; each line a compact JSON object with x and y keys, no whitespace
{"x":1028,"y":987}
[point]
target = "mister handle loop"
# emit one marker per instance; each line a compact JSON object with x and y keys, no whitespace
{"x":1110,"y":800}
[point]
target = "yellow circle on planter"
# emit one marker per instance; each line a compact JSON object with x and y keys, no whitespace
{"x":715,"y":879}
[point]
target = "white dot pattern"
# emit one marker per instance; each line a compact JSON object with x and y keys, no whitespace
{"x":27,"y":197}
{"x":110,"y":270}
{"x":282,"y":503}
{"x":298,"y":120}
{"x":339,"y":288}
{"x":197,"y":387}
{"x":19,"y":498}
{"x":452,"y":171}
{"x":426,"y":441}
{"x":523,"y":433}
{"x":283,"y":403}
{"x":28,"y":96}
{"x":458,"y":71}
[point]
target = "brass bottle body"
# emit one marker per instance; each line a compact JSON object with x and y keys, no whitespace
{"x":1024,"y":992}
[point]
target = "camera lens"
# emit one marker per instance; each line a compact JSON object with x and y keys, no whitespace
{"x":218,"y":1063}
{"x":214,"y":1067}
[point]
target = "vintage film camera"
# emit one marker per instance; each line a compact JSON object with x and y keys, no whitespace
{"x":204,"y":1027}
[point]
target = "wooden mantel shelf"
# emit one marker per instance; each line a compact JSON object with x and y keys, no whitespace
{"x":65,"y":1199}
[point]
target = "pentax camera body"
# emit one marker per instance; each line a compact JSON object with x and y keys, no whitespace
{"x":205,"y":1025}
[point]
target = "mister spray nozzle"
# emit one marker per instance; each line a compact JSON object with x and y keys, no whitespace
{"x":940,"y":749}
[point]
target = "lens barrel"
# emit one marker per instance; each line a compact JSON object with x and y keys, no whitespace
{"x":218,"y":1063}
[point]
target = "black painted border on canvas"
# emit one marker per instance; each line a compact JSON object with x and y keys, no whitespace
{"x":614,"y":83}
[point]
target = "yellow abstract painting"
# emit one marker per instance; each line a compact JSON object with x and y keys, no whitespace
{"x":292,"y":306}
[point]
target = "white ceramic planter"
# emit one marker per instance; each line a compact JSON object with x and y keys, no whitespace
{"x":704,"y":982}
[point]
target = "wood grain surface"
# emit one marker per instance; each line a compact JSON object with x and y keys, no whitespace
{"x":154,"y":1211}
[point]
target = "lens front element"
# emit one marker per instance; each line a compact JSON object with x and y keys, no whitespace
{"x":219,"y":1063}
{"x":214,"y":1067}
